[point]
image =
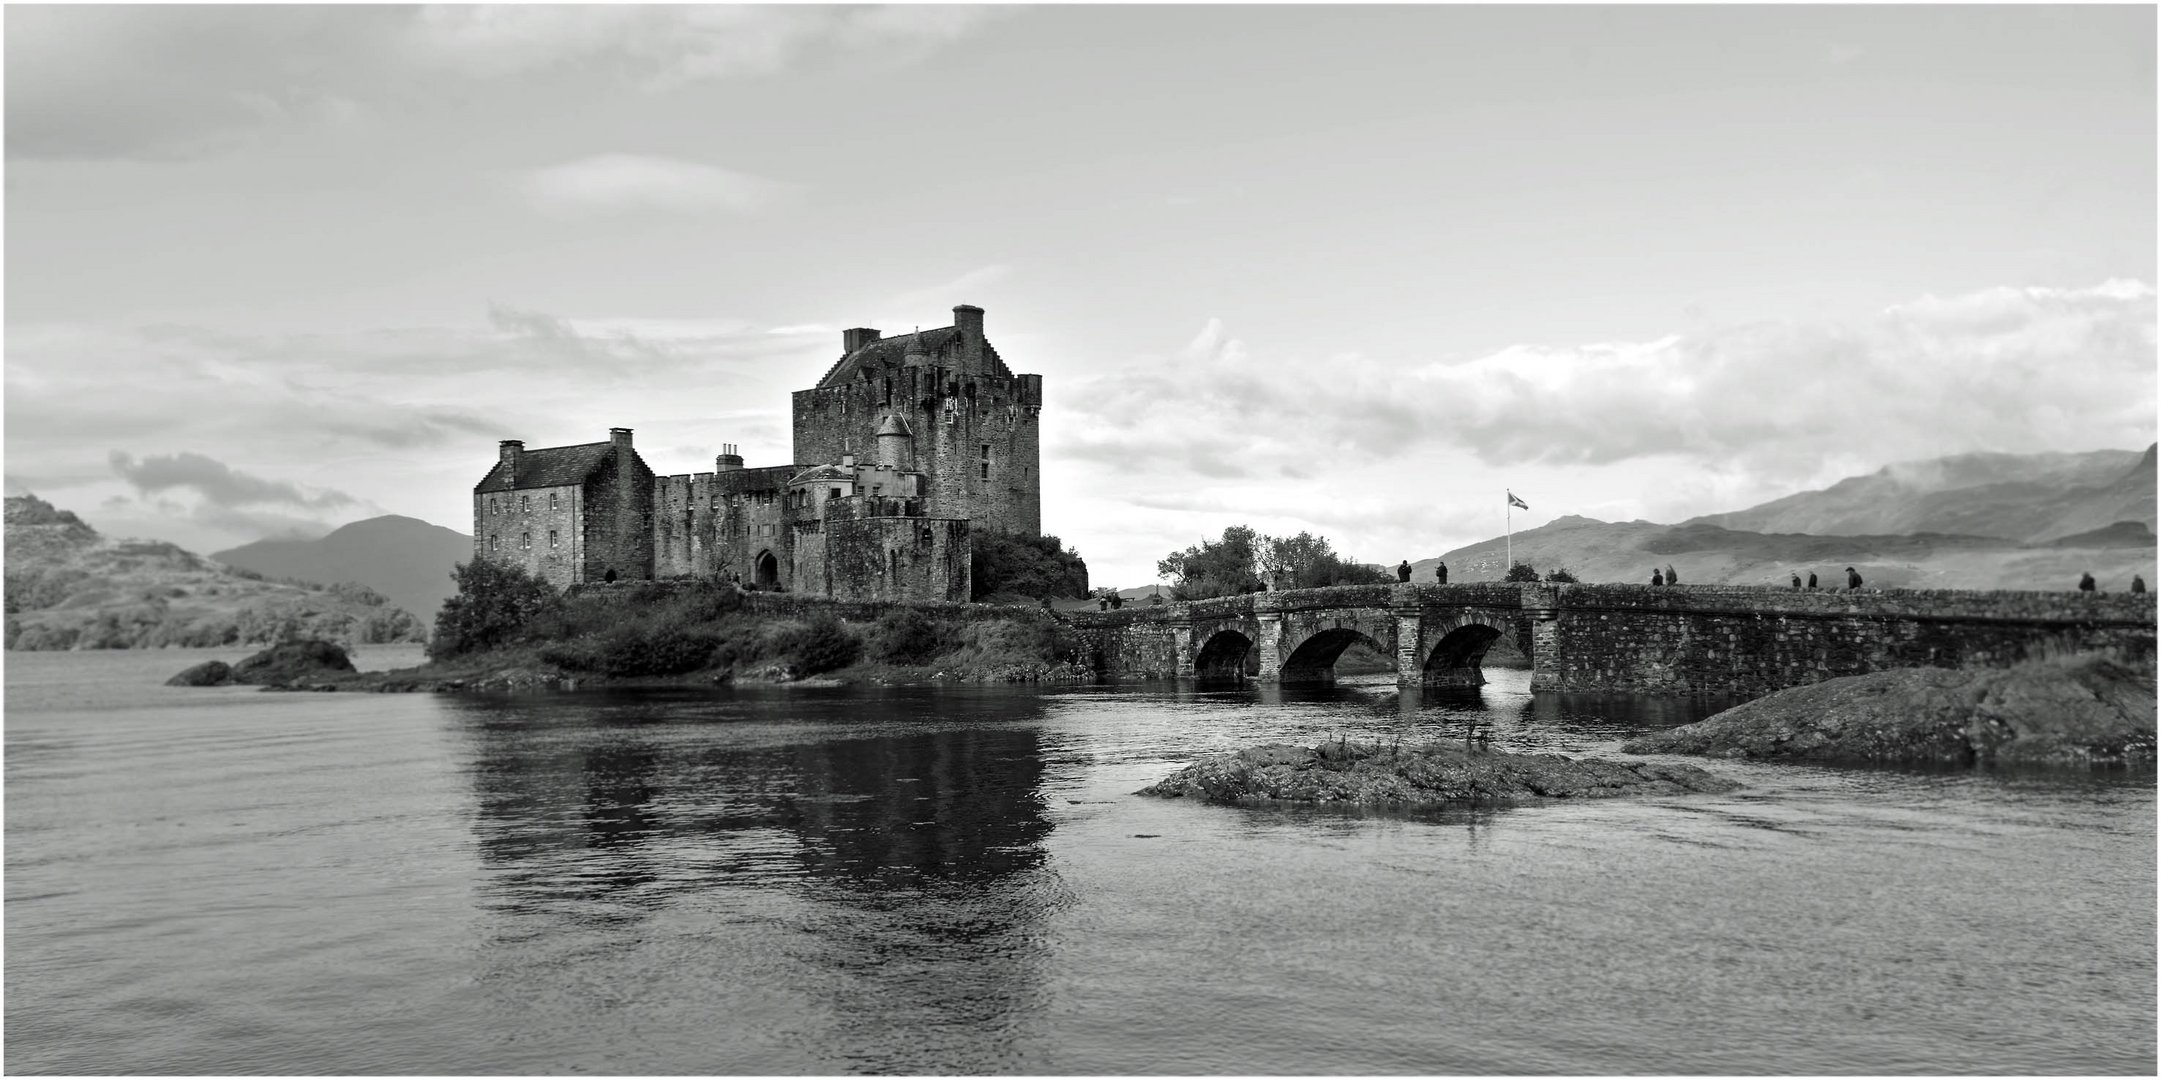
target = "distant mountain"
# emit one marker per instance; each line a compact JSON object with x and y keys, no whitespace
{"x":2022,"y":497}
{"x":405,"y":559}
{"x":70,"y":588}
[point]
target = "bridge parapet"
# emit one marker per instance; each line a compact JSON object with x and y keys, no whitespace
{"x":2025,"y":606}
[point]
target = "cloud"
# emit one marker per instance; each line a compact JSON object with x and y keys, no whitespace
{"x":97,"y":81}
{"x":622,"y":183}
{"x":218,"y":483}
{"x":659,"y":47}
{"x":182,"y":81}
{"x":2020,"y":369}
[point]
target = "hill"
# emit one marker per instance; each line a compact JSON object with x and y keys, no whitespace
{"x":1709,"y":555}
{"x":2021,"y":497}
{"x":70,"y":588}
{"x":405,"y":559}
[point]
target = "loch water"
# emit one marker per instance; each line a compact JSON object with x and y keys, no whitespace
{"x":923,"y":880}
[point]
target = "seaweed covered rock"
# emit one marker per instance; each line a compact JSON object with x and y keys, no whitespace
{"x":1439,"y":774}
{"x":207,"y":673}
{"x":2077,"y":710}
{"x":294,"y":662}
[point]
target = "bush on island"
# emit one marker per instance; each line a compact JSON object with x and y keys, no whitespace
{"x":495,"y":606}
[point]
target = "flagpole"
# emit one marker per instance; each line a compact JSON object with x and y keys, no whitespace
{"x":1508,"y":531}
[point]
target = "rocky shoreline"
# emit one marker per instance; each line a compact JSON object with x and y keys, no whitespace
{"x":1435,"y":775}
{"x":2079,"y":710}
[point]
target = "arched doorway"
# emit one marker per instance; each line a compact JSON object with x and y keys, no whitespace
{"x":1223,"y":656}
{"x":1314,"y":660}
{"x":765,"y":571}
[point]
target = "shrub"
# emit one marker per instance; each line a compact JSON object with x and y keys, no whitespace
{"x":1562,"y":574}
{"x":1030,"y":566}
{"x":906,"y":636}
{"x":495,"y":606}
{"x":820,"y":645}
{"x":1522,"y":571}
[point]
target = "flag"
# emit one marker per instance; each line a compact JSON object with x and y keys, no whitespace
{"x":1517,"y":503}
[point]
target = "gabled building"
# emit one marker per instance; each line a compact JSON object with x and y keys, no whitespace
{"x":905,"y":447}
{"x":568,"y":514}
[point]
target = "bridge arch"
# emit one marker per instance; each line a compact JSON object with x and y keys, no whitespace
{"x":1458,"y":651}
{"x":1224,"y":655}
{"x":1314,"y":658}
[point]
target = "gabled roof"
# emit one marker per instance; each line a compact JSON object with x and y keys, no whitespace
{"x":552,"y":466}
{"x":891,"y":351}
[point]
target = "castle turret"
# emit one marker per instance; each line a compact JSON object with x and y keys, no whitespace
{"x":968,"y":320}
{"x":896,"y":444}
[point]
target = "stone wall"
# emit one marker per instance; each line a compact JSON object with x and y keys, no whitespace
{"x":1751,"y":640}
{"x":875,"y":557}
{"x":618,"y":519}
{"x":513,"y":528}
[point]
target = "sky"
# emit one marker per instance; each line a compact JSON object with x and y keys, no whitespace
{"x":1348,"y":270}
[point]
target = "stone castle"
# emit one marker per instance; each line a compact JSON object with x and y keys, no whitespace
{"x":905,"y":446}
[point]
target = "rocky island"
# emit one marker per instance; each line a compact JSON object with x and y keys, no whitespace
{"x":1437,"y":774}
{"x":2074,"y":710}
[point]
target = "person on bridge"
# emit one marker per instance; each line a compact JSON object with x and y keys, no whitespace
{"x":1797,"y":583}
{"x":1403,"y":571}
{"x":1658,"y":577}
{"x":1853,"y":579}
{"x":2085,"y":582}
{"x":2138,"y":584}
{"x":1440,"y":573}
{"x":1812,"y":579}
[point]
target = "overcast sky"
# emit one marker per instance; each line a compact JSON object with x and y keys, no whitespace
{"x":1348,"y":270}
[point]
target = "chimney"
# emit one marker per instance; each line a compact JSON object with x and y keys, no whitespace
{"x":968,"y":319}
{"x":851,"y":340}
{"x":510,"y":450}
{"x":847,"y":461}
{"x":620,"y":436}
{"x":727,"y":460}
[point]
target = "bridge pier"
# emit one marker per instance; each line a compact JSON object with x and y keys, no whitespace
{"x":1270,"y":646}
{"x":1182,"y":642}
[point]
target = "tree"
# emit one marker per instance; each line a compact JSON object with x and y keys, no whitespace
{"x":1562,"y":574}
{"x":1309,"y":562}
{"x":1224,"y":567}
{"x":494,"y":606}
{"x":1522,"y":571}
{"x":1000,"y":562}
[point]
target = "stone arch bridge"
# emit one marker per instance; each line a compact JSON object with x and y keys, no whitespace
{"x":1685,"y":638}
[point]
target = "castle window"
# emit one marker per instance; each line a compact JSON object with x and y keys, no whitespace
{"x":525,"y":541}
{"x":525,"y":504}
{"x":495,"y":543}
{"x":986,"y":451}
{"x":552,"y":504}
{"x":986,"y":470}
{"x":833,"y":493}
{"x":552,"y":545}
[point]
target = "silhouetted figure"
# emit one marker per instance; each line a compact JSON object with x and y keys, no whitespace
{"x":1103,"y":603}
{"x":1403,"y":571}
{"x":1673,"y":577}
{"x":1797,"y":583}
{"x":2085,"y":582}
{"x":1657,"y":577}
{"x":2138,"y":584}
{"x":1440,"y":573}
{"x":1812,"y":579}
{"x":1853,"y":579}
{"x":1117,"y":601}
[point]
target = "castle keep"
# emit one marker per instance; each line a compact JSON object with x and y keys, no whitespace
{"x":905,"y":446}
